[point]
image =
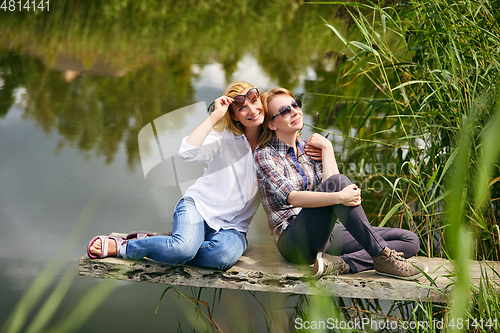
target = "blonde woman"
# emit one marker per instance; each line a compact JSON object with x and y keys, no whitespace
{"x":303,"y":198}
{"x":211,"y":220}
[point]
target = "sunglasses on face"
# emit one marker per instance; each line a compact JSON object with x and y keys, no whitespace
{"x":252,"y":95}
{"x":286,"y":111}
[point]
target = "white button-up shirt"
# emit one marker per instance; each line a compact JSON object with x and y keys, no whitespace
{"x":226,"y":194}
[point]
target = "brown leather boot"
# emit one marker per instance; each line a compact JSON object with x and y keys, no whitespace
{"x":393,"y":264}
{"x":326,"y":264}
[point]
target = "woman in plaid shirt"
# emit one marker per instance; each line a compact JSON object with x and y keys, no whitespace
{"x":303,"y":198}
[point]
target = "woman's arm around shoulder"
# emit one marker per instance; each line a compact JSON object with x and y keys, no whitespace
{"x":327,"y":154}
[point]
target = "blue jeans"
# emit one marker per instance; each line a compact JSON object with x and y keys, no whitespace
{"x":192,"y":242}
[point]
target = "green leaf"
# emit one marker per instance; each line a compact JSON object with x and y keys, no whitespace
{"x":408,"y":83}
{"x":339,"y":35}
{"x":429,"y":184}
{"x":390,"y":213}
{"x":364,"y":47}
{"x":490,"y":153}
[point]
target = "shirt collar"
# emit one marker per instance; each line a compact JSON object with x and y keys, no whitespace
{"x":283,"y":148}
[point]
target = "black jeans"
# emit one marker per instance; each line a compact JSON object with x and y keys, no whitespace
{"x":312,"y":231}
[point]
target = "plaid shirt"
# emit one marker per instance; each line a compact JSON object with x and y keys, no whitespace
{"x":279,"y":172}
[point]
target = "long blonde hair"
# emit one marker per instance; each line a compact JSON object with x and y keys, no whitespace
{"x":227,"y":123}
{"x":266,"y":97}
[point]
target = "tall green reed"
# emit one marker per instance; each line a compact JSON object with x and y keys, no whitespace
{"x":437,"y":94}
{"x":422,"y":69}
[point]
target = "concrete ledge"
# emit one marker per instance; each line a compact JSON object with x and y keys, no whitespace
{"x":262,"y":268}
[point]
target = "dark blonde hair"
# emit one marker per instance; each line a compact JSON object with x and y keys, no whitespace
{"x":227,"y":123}
{"x":266,"y":97}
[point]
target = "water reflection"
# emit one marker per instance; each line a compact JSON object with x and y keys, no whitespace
{"x":97,"y":79}
{"x":95,"y":114}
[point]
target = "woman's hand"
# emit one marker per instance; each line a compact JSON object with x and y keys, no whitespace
{"x":350,"y":195}
{"x":199,"y":135}
{"x":315,"y":146}
{"x":318,"y":141}
{"x":314,"y":152}
{"x":221,"y":105}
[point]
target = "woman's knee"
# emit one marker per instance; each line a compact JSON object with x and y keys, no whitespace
{"x":412,"y":243}
{"x":335,"y":183}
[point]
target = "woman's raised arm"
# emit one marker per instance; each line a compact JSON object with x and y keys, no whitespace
{"x":198,"y":136}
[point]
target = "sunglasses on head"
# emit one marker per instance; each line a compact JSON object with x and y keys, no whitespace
{"x":286,"y":111}
{"x":238,"y":100}
{"x":252,"y":95}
